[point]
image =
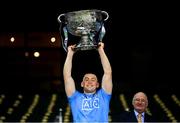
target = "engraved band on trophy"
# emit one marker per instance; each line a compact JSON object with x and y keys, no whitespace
{"x":86,"y":24}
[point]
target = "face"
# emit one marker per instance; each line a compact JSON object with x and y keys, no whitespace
{"x":140,"y":102}
{"x":90,"y":83}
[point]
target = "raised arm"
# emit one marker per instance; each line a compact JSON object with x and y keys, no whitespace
{"x":68,"y":80}
{"x":107,"y":77}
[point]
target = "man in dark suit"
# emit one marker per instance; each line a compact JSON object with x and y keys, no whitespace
{"x":140,"y":104}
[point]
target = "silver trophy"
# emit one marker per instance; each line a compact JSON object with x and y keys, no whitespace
{"x":88,"y":25}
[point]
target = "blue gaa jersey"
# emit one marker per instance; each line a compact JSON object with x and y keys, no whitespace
{"x":90,"y":107}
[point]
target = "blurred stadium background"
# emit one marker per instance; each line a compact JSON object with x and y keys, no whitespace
{"x":32,"y":58}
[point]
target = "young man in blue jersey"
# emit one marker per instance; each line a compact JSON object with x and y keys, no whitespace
{"x":93,"y":104}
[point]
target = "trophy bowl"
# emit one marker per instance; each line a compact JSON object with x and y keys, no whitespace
{"x":86,"y":24}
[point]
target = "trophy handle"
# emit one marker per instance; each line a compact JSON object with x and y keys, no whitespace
{"x":106,"y":14}
{"x":60,"y":18}
{"x":65,"y":40}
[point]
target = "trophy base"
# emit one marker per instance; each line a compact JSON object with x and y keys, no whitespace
{"x":85,"y":47}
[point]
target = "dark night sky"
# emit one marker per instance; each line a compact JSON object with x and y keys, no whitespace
{"x":34,"y":15}
{"x":139,"y":38}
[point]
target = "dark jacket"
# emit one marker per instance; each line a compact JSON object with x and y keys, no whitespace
{"x":130,"y":117}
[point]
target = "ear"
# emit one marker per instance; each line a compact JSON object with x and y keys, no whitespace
{"x":97,"y":85}
{"x":82,"y":84}
{"x":147,"y":104}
